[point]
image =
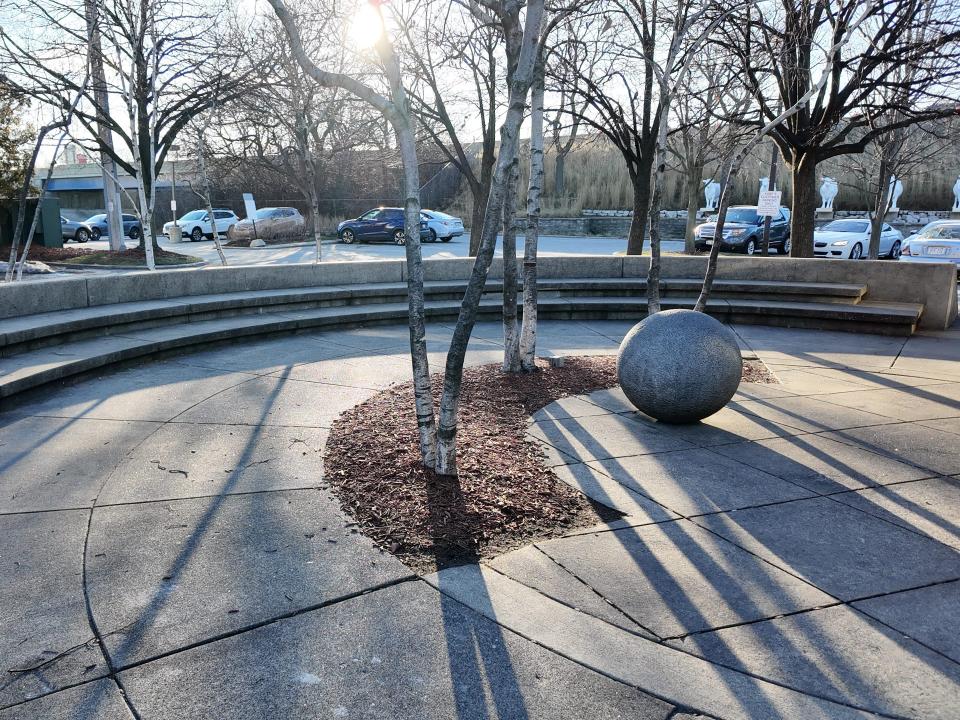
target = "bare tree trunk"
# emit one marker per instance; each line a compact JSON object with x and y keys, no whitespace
{"x":641,"y":209}
{"x":509,"y":135}
{"x":803,"y":172}
{"x":694,"y":185}
{"x":201,"y":159}
{"x":881,"y":205}
{"x":511,"y":335}
{"x":725,"y":197}
{"x":22,"y":200}
{"x":653,"y":273}
{"x":559,"y":175}
{"x":528,"y":330}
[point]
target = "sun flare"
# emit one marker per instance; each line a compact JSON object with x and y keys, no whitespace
{"x":366,"y":26}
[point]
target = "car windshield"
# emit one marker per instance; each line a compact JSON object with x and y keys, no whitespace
{"x":951,"y":232}
{"x":747,"y":216}
{"x":846,"y":226}
{"x":263,"y":213}
{"x":195,"y":215}
{"x":96,"y":218}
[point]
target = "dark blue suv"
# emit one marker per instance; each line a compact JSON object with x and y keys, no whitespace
{"x":385,"y":224}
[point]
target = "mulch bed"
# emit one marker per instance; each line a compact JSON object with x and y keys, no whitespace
{"x":82,"y":255}
{"x":504,"y":497}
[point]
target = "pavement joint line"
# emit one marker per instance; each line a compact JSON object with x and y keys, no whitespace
{"x":412,"y":577}
{"x":879,"y":451}
{"x":674,"y":648}
{"x":591,"y":588}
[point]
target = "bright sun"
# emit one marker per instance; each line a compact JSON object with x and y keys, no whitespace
{"x":366,"y":26}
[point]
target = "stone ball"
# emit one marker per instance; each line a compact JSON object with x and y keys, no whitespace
{"x":679,"y":366}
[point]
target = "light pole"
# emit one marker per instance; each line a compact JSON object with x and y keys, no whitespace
{"x":173,"y":189}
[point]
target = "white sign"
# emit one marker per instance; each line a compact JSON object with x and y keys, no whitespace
{"x":173,"y":205}
{"x":249,"y":206}
{"x":768,"y":203}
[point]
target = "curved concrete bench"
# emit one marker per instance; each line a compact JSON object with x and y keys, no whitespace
{"x":95,"y":321}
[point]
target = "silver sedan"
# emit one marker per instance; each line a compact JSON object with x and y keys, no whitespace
{"x":938,"y":241}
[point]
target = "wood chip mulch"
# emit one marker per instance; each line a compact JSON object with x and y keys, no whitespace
{"x":504,"y":497}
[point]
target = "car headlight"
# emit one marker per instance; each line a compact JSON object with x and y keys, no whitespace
{"x":840,"y":243}
{"x":735,"y":233}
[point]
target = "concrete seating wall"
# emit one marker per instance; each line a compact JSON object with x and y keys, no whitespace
{"x":932,"y":285}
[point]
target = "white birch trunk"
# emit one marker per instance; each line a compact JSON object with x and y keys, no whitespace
{"x":509,"y":134}
{"x":528,"y":330}
{"x":511,"y":332}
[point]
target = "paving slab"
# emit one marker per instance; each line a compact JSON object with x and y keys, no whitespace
{"x":843,"y":551}
{"x":165,"y":575}
{"x":46,"y":643}
{"x":729,"y":425}
{"x":605,"y":436}
{"x":930,"y":615}
{"x":630,"y":658}
{"x":813,"y":381}
{"x":187,"y":460}
{"x":599,"y":486}
{"x":933,"y":354}
{"x":821,"y":464}
{"x":570,"y":407}
{"x":931,"y":507}
{"x":676,"y":578}
{"x":691,"y":482}
{"x":158,"y":391}
{"x":532,"y":567}
{"x":277,"y":401}
{"x":821,"y":347}
{"x":404,"y":652}
{"x":51,"y":463}
{"x":809,"y":414}
{"x":840,"y":654}
{"x":98,"y":700}
{"x":611,"y":399}
{"x":951,"y":425}
{"x":917,"y":403}
{"x":916,"y":443}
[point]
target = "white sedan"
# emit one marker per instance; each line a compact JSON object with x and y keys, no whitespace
{"x":849,"y":239}
{"x":442,"y":227}
{"x":195,"y":225}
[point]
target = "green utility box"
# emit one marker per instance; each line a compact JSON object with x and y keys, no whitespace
{"x":48,"y":233}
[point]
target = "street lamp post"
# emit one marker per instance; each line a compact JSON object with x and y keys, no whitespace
{"x":173,"y":189}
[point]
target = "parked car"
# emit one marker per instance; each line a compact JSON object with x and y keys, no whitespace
{"x":743,"y":231}
{"x":442,"y":227}
{"x":74,"y":230}
{"x":938,"y":241}
{"x":270,"y":224}
{"x":99,"y":227}
{"x":196,"y":223}
{"x":385,"y":223}
{"x":849,"y":239}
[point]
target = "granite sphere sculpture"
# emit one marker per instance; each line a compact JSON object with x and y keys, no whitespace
{"x":679,"y":366}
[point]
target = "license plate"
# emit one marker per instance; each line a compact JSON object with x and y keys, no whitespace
{"x":940,"y":250}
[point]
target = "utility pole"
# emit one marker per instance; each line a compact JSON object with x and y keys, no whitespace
{"x":111,"y":193}
{"x":173,"y":189}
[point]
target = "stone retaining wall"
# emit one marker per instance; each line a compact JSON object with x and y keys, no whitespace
{"x":934,"y":285}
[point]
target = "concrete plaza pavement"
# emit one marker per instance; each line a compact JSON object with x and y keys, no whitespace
{"x":169,"y":548}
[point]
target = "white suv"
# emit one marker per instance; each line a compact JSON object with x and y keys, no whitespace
{"x":196,"y":224}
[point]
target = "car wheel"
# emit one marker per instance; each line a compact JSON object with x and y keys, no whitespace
{"x":95,"y":234}
{"x":856,"y":252}
{"x":895,"y":251}
{"x":433,"y":235}
{"x":196,"y":235}
{"x":348,"y":237}
{"x":446,"y":239}
{"x":134,"y":233}
{"x":82,"y":235}
{"x":399,"y":238}
{"x":784,"y":248}
{"x":750,"y":248}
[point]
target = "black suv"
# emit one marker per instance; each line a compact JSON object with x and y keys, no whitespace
{"x":385,"y":223}
{"x":743,"y":231}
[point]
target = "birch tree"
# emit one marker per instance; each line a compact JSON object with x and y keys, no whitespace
{"x":396,"y":110}
{"x":528,"y":330}
{"x":507,"y":12}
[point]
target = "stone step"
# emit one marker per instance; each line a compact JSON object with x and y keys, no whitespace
{"x":52,"y":328}
{"x":37,"y":367}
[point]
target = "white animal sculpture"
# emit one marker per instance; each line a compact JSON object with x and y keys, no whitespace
{"x":764,"y":184}
{"x":828,"y":191}
{"x":711,"y":191}
{"x":896,"y":190}
{"x":956,"y":195}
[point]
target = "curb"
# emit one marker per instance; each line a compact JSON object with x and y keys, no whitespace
{"x":91,"y":266}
